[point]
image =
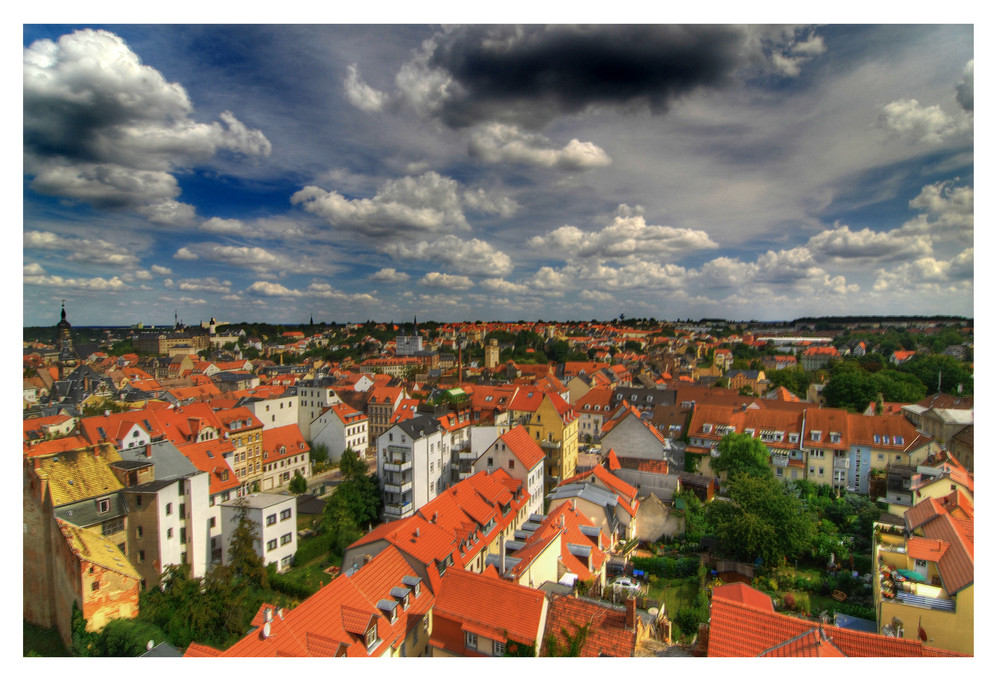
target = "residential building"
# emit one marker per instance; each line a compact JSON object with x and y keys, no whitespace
{"x":923,"y":586}
{"x":818,"y":357}
{"x":275,"y":519}
{"x":341,"y":427}
{"x":477,"y":615}
{"x":608,"y":502}
{"x":285,"y":453}
{"x":414,"y":459}
{"x":593,"y":408}
{"x":314,"y":396}
{"x":517,"y":453}
{"x":553,"y":424}
{"x":382,"y":403}
{"x":274,"y":410}
{"x":632,"y":436}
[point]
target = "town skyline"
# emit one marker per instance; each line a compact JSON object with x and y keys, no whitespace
{"x":344,"y":173}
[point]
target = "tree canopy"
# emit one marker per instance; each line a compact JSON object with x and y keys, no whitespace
{"x":761,"y":521}
{"x":740,"y":453}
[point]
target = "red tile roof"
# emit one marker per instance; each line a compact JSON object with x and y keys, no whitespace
{"x":607,"y":634}
{"x":494,"y":608}
{"x":743,"y":628}
{"x":519,"y":441}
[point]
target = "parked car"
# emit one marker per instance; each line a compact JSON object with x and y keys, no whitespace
{"x":626,"y":584}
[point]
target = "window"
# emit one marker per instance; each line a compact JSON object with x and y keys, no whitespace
{"x":211,"y":521}
{"x":821,"y":470}
{"x":142,"y":556}
{"x":138,"y":501}
{"x":272,"y":519}
{"x":138,"y":530}
{"x":286,"y":514}
{"x":225,"y":496}
{"x":272,"y":545}
{"x":170,"y":532}
{"x":184,"y":537}
{"x":498,"y":648}
{"x":170,"y":509}
{"x":286,"y":538}
{"x":103,"y":505}
{"x":471,"y":640}
{"x":510,"y":464}
{"x":113,"y":526}
{"x":95,"y":586}
{"x":489,"y":461}
{"x":371,"y":636}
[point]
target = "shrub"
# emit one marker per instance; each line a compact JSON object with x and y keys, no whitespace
{"x":687,"y":621}
{"x":312,"y":547}
{"x":790,"y":601}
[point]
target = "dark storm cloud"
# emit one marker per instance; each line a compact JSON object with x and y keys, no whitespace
{"x":529,"y":75}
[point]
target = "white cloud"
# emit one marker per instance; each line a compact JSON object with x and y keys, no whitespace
{"x":867,"y":245}
{"x":212,"y":284}
{"x":949,"y":213}
{"x":389,"y":275}
{"x":160,"y":270}
{"x":501,"y":143}
{"x":224,"y":226}
{"x":927,"y":124}
{"x":85,"y":284}
{"x":185,"y":253}
{"x":90,"y":251}
{"x":425,"y":203}
{"x":468,"y":257}
{"x":634,"y":274}
{"x":443,"y":280}
{"x":627,"y":235}
{"x":101,"y":127}
{"x":483,"y":202}
{"x":549,"y":279}
{"x":360,"y":94}
{"x":926,"y":272}
{"x":500,"y":285}
{"x":270,"y":288}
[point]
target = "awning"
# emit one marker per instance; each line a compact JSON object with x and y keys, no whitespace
{"x":912,"y":576}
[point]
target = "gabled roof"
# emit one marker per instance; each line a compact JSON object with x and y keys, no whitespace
{"x":607,"y":634}
{"x":519,"y":441}
{"x":333,"y":621}
{"x":282,"y":442}
{"x":210,"y":457}
{"x":93,"y":547}
{"x":741,"y":626}
{"x":496,"y":609}
{"x":601,"y":475}
{"x":79,"y":474}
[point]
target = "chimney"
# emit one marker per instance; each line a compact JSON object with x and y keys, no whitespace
{"x":630,"y":612}
{"x":149,"y":451}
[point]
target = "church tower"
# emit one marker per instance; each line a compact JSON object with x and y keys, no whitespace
{"x":64,"y":338}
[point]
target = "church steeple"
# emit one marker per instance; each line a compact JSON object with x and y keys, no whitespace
{"x":64,"y":337}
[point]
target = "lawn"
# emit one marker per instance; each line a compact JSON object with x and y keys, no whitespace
{"x":43,"y":642}
{"x":675,"y":593}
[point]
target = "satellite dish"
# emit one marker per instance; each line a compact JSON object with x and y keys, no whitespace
{"x":149,"y":645}
{"x":267,"y":629}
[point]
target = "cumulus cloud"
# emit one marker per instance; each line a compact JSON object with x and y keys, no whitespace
{"x":905,"y":118}
{"x":500,"y":285}
{"x":90,"y":251}
{"x":867,"y":245}
{"x":634,"y":274}
{"x":927,"y":272}
{"x":212,"y":284}
{"x":160,"y":270}
{"x":360,"y":94}
{"x":35,"y":275}
{"x":103,"y":128}
{"x":628,"y":235}
{"x":482,"y":201}
{"x":425,"y":203}
{"x":389,"y":275}
{"x":469,"y":257}
{"x":529,"y":75}
{"x":500,"y":143}
{"x":948,"y":213}
{"x":185,"y":253}
{"x":444,"y":280}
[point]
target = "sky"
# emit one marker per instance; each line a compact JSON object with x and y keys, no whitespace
{"x":340,"y":173}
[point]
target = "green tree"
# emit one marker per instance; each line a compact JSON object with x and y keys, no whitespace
{"x":952,"y":373}
{"x":760,"y":521}
{"x":244,"y":561}
{"x":338,"y":521}
{"x":297,"y":484}
{"x":741,"y":453}
{"x":850,"y":389}
{"x":81,"y":640}
{"x":127,"y":638}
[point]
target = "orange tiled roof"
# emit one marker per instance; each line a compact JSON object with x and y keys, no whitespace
{"x":497,"y":609}
{"x":282,"y":442}
{"x":607,"y":636}
{"x":523,"y":447}
{"x":210,"y":457}
{"x":741,"y":627}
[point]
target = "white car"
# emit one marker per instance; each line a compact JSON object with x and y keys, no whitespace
{"x":626,"y":584}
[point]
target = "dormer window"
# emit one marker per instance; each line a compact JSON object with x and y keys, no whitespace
{"x":103,"y":505}
{"x":835,"y":438}
{"x":371,"y":636}
{"x":706,"y":428}
{"x":815,"y":435}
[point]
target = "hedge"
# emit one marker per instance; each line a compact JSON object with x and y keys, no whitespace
{"x":667,"y":567}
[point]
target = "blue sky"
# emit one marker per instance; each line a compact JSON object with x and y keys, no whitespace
{"x":344,"y":173}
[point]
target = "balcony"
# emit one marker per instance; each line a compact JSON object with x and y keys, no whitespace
{"x":467,"y":456}
{"x":779,"y":460}
{"x":397,"y":466}
{"x":397,"y":511}
{"x":398,"y":488}
{"x":840,"y":462}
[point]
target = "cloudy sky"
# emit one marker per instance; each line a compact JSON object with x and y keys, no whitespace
{"x":344,"y":173}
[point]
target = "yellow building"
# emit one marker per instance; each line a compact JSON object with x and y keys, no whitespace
{"x":245,"y":431}
{"x":923,"y":584}
{"x":554,"y":425}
